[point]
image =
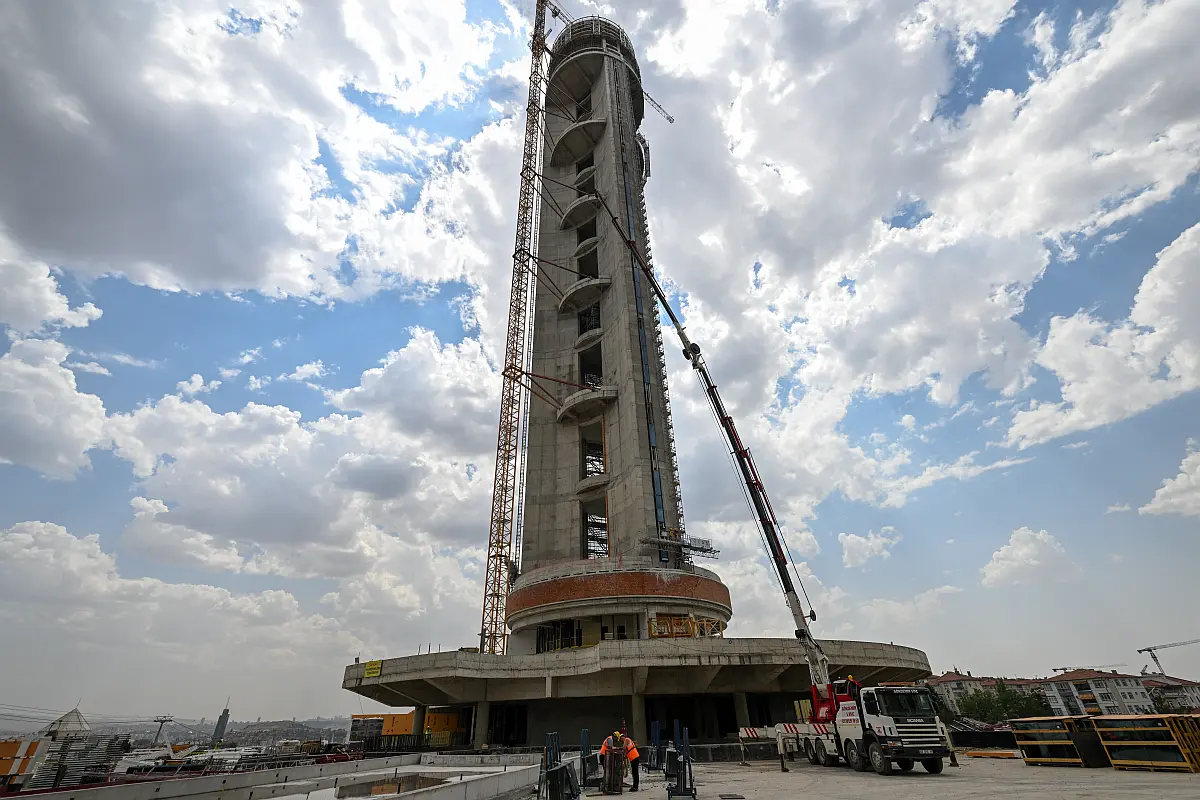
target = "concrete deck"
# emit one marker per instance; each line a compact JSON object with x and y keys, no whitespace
{"x":977,"y":778}
{"x":633,"y":667}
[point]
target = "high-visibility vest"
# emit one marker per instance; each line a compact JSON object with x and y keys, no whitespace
{"x":631,"y":751}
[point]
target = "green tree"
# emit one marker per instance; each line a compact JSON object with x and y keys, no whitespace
{"x":1003,"y":703}
{"x":1163,"y":704}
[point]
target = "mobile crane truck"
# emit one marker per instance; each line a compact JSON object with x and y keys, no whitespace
{"x":882,"y":727}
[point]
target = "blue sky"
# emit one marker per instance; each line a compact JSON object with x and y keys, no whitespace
{"x":372,"y":264}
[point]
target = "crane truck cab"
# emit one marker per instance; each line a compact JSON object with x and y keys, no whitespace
{"x":882,"y":728}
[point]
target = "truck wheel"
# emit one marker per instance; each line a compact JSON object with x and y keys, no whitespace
{"x":853,"y":757}
{"x":824,"y":757}
{"x":904,"y":764}
{"x":881,"y":763}
{"x":809,"y":753}
{"x":932,"y":765}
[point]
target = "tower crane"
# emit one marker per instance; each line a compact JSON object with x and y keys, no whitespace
{"x":1154,"y":655}
{"x":1089,"y":666}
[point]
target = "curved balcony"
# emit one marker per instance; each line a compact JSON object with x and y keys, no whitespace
{"x":582,"y":293}
{"x":577,"y":141}
{"x":584,"y":176}
{"x":580,"y":212}
{"x":576,"y":74}
{"x":588,"y":338}
{"x":586,"y":403}
{"x":592,"y":483}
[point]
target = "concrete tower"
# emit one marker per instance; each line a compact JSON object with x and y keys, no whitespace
{"x":610,"y":621}
{"x":602,"y":556}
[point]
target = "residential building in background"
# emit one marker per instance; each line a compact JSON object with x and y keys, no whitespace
{"x":1089,"y":691}
{"x":1179,"y":693}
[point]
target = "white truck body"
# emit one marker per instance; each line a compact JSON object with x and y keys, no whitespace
{"x":880,"y":729}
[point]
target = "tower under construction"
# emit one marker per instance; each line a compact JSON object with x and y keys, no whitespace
{"x":595,"y":610}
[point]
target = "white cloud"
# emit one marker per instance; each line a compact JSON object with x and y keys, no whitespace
{"x":1118,"y":509}
{"x":256,"y":384}
{"x":196,"y":385}
{"x":887,"y":614}
{"x":123,"y":359}
{"x":218,"y":131}
{"x":30,"y":299}
{"x":277,"y":343}
{"x":858,"y":550}
{"x":228,"y":372}
{"x":64,"y":596}
{"x":305,"y":372}
{"x":250,"y":356}
{"x":45,"y":422}
{"x":1181,"y":494}
{"x":1029,"y":557}
{"x":88,"y":366}
{"x":410,"y":387}
{"x":1111,"y":372}
{"x":1075,"y":445}
{"x":908,"y":422}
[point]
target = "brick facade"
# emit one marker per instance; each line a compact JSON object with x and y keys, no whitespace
{"x":618,"y":584}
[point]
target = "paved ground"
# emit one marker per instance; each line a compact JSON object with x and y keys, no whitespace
{"x":976,"y":779}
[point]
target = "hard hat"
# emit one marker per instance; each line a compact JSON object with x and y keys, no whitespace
{"x":617,"y":734}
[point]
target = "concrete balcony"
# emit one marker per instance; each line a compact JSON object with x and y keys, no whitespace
{"x":582,"y":293}
{"x":579,"y":212}
{"x":584,"y":176}
{"x":592,"y":483}
{"x":577,"y":141}
{"x":586,"y":403}
{"x":588,"y":338}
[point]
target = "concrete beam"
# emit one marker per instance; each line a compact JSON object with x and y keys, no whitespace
{"x":640,"y":674}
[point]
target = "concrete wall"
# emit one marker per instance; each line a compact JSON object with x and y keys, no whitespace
{"x":236,"y":786}
{"x":600,"y":715}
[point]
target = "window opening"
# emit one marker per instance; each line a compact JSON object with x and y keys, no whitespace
{"x":595,"y":528}
{"x":589,"y":319}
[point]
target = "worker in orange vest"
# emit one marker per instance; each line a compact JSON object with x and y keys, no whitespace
{"x":620,"y":743}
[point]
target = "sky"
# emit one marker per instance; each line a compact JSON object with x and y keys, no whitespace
{"x":254,"y":269}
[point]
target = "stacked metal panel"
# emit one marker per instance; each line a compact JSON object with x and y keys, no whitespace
{"x":75,"y":760}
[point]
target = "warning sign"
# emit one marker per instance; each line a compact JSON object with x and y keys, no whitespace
{"x":374,"y":668}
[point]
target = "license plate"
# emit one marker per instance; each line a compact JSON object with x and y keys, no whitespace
{"x":925,"y":752}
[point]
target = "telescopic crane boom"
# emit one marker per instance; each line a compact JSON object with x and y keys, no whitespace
{"x":818,"y":663}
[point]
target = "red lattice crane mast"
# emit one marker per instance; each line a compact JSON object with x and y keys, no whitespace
{"x":493,"y":635}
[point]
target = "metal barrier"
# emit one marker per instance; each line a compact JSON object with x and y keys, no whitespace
{"x":416,"y":742}
{"x":684,"y":785}
{"x":1155,"y":742}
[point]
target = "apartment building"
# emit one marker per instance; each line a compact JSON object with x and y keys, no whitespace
{"x":1089,"y":691}
{"x":1180,"y":693}
{"x":953,"y":686}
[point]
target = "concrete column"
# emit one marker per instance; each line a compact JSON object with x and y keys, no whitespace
{"x":419,"y":720}
{"x":637,"y":721}
{"x":741,"y":711}
{"x":481,"y":724}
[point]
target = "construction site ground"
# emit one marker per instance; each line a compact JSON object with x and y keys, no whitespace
{"x":976,"y":778}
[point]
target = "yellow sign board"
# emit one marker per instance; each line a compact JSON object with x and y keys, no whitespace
{"x":374,"y":668}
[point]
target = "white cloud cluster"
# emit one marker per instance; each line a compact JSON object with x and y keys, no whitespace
{"x":858,"y":550}
{"x":1110,"y":372}
{"x":63,"y":594}
{"x":1030,"y":556}
{"x":193,"y":167}
{"x":46,"y":423}
{"x":1181,"y":494}
{"x":30,"y":298}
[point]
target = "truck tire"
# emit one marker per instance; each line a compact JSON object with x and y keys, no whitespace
{"x":932,"y":765}
{"x":879,"y":762}
{"x":824,"y":757}
{"x":809,"y":753}
{"x":904,"y":764}
{"x":853,"y":757}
